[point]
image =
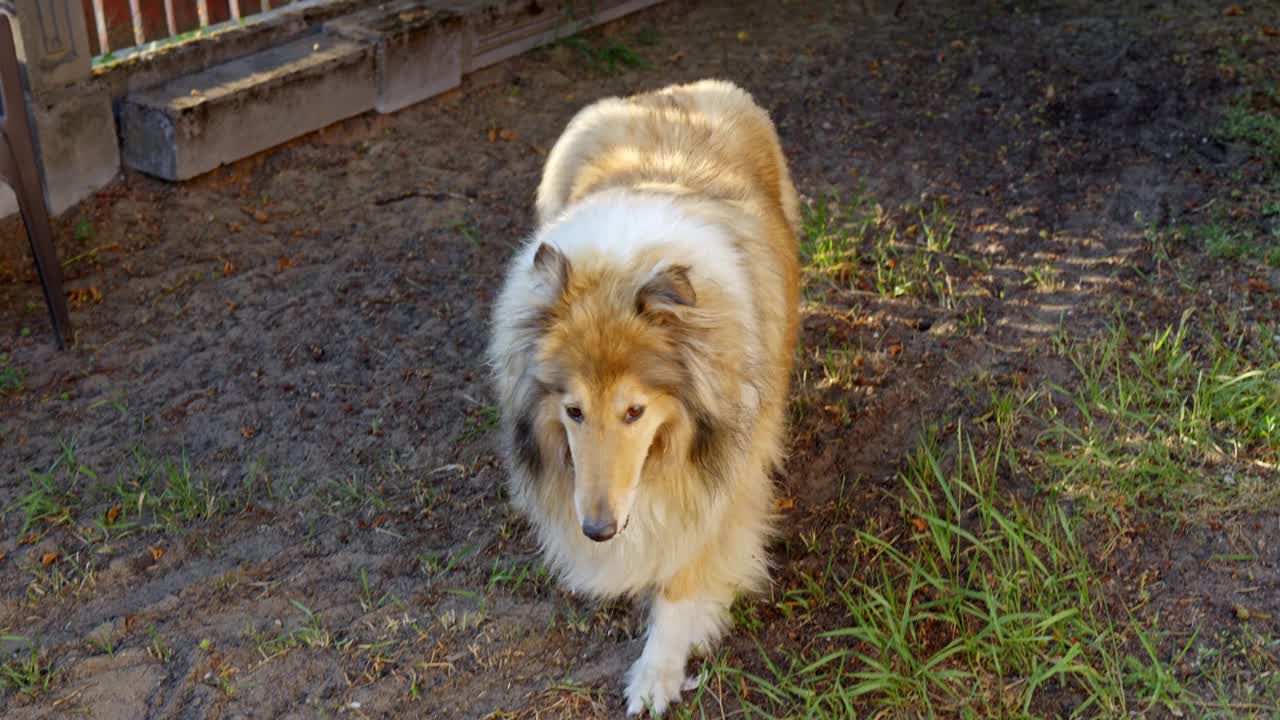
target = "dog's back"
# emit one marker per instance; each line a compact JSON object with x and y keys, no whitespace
{"x":708,"y":137}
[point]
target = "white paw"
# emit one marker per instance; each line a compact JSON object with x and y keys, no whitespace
{"x":653,"y":686}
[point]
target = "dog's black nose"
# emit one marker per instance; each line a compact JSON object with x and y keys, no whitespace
{"x":600,"y":531}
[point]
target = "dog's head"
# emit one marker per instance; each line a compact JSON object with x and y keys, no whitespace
{"x":616,"y":384}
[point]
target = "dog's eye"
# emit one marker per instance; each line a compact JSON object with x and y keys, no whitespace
{"x":633,"y":413}
{"x":574,"y":413}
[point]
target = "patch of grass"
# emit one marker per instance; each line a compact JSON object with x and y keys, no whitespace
{"x":976,"y":611}
{"x":74,"y":573}
{"x":1227,"y":242}
{"x":12,"y":378}
{"x":442,"y":563}
{"x":368,"y":600}
{"x":166,"y":494}
{"x":54,"y":497}
{"x":857,"y":244}
{"x":157,"y":648}
{"x":478,"y":423}
{"x":512,"y":576}
{"x":1043,"y":276}
{"x":310,"y":634}
{"x":607,"y":56}
{"x":356,"y":493}
{"x":1260,"y":128}
{"x":1183,"y":421}
{"x":31,"y":676}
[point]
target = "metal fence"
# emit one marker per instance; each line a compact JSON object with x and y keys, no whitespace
{"x":127,"y":27}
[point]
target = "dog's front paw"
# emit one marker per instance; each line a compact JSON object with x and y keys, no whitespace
{"x":653,"y":685}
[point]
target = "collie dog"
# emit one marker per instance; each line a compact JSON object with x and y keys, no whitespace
{"x":641,"y":352}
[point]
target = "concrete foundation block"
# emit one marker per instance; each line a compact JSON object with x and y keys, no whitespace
{"x":76,"y":139}
{"x":196,"y":123}
{"x":78,"y":146}
{"x":417,"y":49}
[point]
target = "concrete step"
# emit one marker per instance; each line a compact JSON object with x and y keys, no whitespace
{"x":386,"y":56}
{"x":196,"y":123}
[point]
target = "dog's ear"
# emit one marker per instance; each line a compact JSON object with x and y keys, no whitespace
{"x":552,"y":267}
{"x":668,"y":290}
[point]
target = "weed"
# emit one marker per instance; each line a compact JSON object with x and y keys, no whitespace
{"x":478,"y":423}
{"x":515,"y":575}
{"x":54,"y":497}
{"x":436,"y":563}
{"x":166,"y":494}
{"x":1259,"y":128}
{"x":32,"y":676}
{"x":1162,"y":421}
{"x":858,"y":244}
{"x":12,"y":378}
{"x":310,"y":634}
{"x":83,"y":230}
{"x":981,"y":610}
{"x":608,"y":56}
{"x":157,"y":648}
{"x":355,"y":493}
{"x":367,"y":600}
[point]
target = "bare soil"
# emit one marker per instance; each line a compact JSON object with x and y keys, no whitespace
{"x":306,"y":329}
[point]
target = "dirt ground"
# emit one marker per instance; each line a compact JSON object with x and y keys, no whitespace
{"x":264,"y":475}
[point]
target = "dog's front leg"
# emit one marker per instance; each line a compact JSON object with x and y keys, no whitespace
{"x":677,"y":627}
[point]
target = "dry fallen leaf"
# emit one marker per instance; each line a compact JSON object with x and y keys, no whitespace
{"x":231,"y":307}
{"x":743,"y":36}
{"x":156,"y":553}
{"x":493,"y":134}
{"x":676,"y":56}
{"x":50,"y":558}
{"x":113,"y":514}
{"x":786,"y":503}
{"x":507,"y":135}
{"x":84,"y":296}
{"x":248,"y":431}
{"x":261,"y":216}
{"x":30,"y":538}
{"x":895,"y":349}
{"x":286,"y":262}
{"x":1233,"y":11}
{"x":1270,"y":31}
{"x":1258,"y":285}
{"x":228,"y":267}
{"x":920,"y":524}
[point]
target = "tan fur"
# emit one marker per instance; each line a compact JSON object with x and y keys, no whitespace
{"x":705,"y":350}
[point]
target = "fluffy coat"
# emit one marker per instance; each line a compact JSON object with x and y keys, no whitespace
{"x":641,"y":352}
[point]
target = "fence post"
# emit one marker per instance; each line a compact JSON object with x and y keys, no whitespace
{"x":52,"y":40}
{"x":74,"y":124}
